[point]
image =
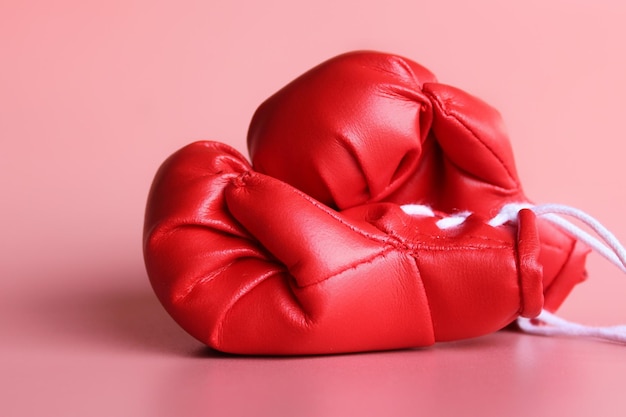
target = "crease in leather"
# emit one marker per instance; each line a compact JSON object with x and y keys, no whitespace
{"x":218,"y":332}
{"x":397,"y":61}
{"x":199,"y":281}
{"x":406,"y":67}
{"x":167,"y":228}
{"x":344,"y":142}
{"x":455,"y":117}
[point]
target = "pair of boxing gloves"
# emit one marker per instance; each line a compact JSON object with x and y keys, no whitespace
{"x":363,"y":221}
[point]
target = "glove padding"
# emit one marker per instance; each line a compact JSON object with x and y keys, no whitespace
{"x":369,"y":127}
{"x":366,"y":127}
{"x":248,"y":264}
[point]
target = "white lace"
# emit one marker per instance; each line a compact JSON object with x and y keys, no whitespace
{"x":548,"y":324}
{"x":606,"y":244}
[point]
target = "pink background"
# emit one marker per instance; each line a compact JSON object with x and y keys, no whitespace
{"x":93,"y":97}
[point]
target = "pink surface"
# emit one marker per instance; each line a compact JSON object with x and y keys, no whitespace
{"x":94,"y":96}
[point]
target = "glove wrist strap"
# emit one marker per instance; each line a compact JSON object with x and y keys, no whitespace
{"x":606,"y":244}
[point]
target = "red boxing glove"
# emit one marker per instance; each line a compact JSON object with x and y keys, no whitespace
{"x":249,"y":264}
{"x":367,"y":127}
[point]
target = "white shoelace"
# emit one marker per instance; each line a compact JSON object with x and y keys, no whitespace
{"x":606,"y":244}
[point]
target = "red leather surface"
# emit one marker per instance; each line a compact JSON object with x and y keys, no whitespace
{"x":368,"y":126}
{"x":249,"y":264}
{"x":309,"y":251}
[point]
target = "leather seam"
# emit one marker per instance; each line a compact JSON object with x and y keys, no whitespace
{"x":370,"y":259}
{"x":415,"y":256}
